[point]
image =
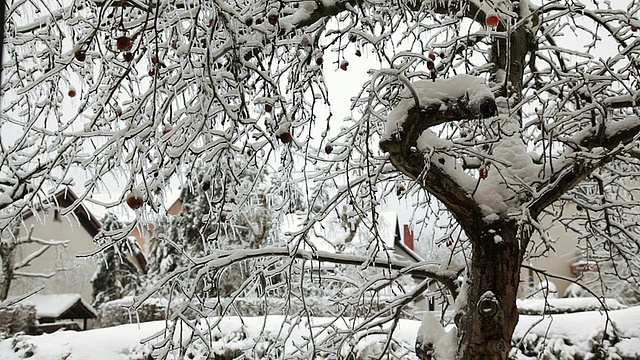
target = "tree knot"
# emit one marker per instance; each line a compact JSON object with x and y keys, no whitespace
{"x":488,"y":305}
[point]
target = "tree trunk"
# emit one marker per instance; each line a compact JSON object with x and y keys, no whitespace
{"x":8,"y":262}
{"x":489,"y":315}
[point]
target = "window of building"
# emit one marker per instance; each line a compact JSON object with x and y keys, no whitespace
{"x":56,"y":215}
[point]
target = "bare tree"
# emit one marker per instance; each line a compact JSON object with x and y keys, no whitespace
{"x":12,"y":269}
{"x":542,"y":114}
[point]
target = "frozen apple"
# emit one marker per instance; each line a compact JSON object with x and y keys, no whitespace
{"x":135,"y":200}
{"x":273,"y":18}
{"x":285,"y":137}
{"x":492,"y":19}
{"x":305,"y":40}
{"x":124,"y":43}
{"x":80,"y":55}
{"x":328,"y":148}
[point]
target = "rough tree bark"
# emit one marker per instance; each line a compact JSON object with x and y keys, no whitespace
{"x":490,"y":316}
{"x":7,"y":256}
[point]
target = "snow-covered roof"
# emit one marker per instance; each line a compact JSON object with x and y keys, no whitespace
{"x":62,"y":306}
{"x":64,"y":198}
{"x":400,"y":245}
{"x":172,"y":196}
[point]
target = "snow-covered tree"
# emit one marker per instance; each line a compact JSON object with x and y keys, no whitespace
{"x":11,"y":266}
{"x":116,"y":275}
{"x":498,"y":113}
{"x":200,"y":228}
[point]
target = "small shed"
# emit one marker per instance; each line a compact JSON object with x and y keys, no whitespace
{"x":62,"y":311}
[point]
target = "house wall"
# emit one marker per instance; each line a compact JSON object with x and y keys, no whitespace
{"x":557,"y":261}
{"x":142,"y":233}
{"x":72,"y":274}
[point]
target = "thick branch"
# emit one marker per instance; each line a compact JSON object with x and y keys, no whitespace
{"x":324,"y":11}
{"x":616,"y":134}
{"x":46,"y":275}
{"x":620,"y":102}
{"x":624,"y":133}
{"x":446,"y":277}
{"x":31,"y":239}
{"x":27,"y":260}
{"x":221,"y":260}
{"x":401,"y":149}
{"x":19,"y":298}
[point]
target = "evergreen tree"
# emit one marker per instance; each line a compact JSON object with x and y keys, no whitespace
{"x":117,"y":276}
{"x":216,"y":215}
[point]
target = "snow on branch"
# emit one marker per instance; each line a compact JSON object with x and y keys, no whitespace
{"x":616,"y":133}
{"x":624,"y":101}
{"x":310,"y":12}
{"x":446,"y":276}
{"x":594,"y":148}
{"x":441,"y":101}
{"x":50,"y":242}
{"x":223,"y":259}
{"x":33,"y":274}
{"x":459,"y":97}
{"x":27,"y":260}
{"x":19,"y":298}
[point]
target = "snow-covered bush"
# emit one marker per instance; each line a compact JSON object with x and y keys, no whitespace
{"x":600,"y":347}
{"x":117,"y":312}
{"x":566,"y":305}
{"x":605,"y":283}
{"x":588,"y":335}
{"x":22,"y":349}
{"x":18,"y":318}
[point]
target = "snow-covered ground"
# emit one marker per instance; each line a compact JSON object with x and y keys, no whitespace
{"x":571,"y":336}
{"x":564,"y":336}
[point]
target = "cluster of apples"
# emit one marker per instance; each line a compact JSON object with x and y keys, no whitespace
{"x":431,"y":65}
{"x":344,"y":64}
{"x":81,"y":56}
{"x":272,"y":17}
{"x":125,"y":44}
{"x":285,"y":136}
